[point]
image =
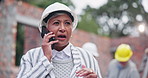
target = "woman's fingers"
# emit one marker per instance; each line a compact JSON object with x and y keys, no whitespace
{"x":48,"y":36}
{"x":86,"y":73}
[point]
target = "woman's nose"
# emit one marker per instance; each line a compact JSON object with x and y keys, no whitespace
{"x":62,"y":28}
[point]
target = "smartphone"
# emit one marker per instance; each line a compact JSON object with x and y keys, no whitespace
{"x":45,"y":31}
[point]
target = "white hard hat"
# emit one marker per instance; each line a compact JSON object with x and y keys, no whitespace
{"x":57,"y":7}
{"x":91,"y":47}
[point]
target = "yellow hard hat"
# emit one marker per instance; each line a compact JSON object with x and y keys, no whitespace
{"x":123,"y":53}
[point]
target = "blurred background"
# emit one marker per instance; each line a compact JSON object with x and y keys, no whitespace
{"x":107,"y":23}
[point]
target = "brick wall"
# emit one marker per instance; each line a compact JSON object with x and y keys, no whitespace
{"x":26,"y":9}
{"x":7,"y":38}
{"x":32,"y":38}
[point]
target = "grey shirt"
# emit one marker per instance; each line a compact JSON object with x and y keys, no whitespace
{"x":115,"y":70}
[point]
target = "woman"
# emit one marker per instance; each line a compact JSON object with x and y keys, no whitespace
{"x":58,"y":58}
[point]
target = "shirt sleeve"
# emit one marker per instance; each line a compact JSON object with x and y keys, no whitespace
{"x":90,"y":61}
{"x":97,"y":68}
{"x":39,"y":70}
{"x":135,"y":73}
{"x":93,"y":63}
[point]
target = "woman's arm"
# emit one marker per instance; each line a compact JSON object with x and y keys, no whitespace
{"x":39,"y":70}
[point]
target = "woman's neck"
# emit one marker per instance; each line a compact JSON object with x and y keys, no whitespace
{"x":60,"y":48}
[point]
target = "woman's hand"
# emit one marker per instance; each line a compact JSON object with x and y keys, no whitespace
{"x":86,"y":73}
{"x":46,"y":45}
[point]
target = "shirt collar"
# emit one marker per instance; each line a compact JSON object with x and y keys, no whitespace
{"x":66,"y":50}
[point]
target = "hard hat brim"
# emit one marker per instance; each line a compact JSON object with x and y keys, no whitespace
{"x":122,"y":59}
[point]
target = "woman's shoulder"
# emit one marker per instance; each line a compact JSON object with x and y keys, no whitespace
{"x":34,"y":52}
{"x":84,"y":52}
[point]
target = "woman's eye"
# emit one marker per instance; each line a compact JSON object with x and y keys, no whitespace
{"x":56,"y":23}
{"x":68,"y":23}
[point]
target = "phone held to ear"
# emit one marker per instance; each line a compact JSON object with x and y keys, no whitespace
{"x":45,"y":31}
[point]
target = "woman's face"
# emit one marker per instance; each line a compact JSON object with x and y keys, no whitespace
{"x":61,"y":26}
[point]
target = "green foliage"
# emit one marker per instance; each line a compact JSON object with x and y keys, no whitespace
{"x":111,"y":15}
{"x":87,"y":22}
{"x":19,"y":44}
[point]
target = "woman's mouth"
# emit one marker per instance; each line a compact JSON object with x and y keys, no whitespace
{"x":61,"y":37}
